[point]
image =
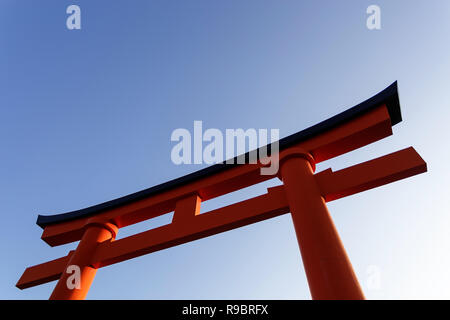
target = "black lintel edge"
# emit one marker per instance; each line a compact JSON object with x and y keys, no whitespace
{"x":388,"y":96}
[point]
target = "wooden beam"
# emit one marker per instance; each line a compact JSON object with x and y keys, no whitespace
{"x":367,"y":128}
{"x":43,"y":273}
{"x":370,"y":174}
{"x":191,"y":225}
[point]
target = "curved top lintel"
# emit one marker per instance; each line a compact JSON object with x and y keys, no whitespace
{"x":388,"y":96}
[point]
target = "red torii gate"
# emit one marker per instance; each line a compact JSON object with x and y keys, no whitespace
{"x":304,"y":194}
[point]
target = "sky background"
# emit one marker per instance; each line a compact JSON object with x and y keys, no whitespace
{"x":86,"y":116}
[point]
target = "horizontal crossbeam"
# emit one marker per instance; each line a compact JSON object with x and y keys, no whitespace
{"x":370,"y":174}
{"x":191,"y":226}
{"x":43,"y":273}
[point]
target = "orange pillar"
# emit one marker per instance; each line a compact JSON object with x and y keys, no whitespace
{"x":66,"y":288}
{"x":329,"y":271}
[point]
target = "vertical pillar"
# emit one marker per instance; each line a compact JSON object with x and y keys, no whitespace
{"x":186,"y":209}
{"x":329,"y":271}
{"x":94,"y":234}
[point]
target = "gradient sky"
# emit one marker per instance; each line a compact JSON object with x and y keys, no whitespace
{"x":86,"y":116}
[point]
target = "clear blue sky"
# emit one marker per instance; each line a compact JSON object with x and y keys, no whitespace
{"x":86,"y":116}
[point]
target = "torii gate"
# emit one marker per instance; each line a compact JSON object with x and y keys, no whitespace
{"x":304,"y":194}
